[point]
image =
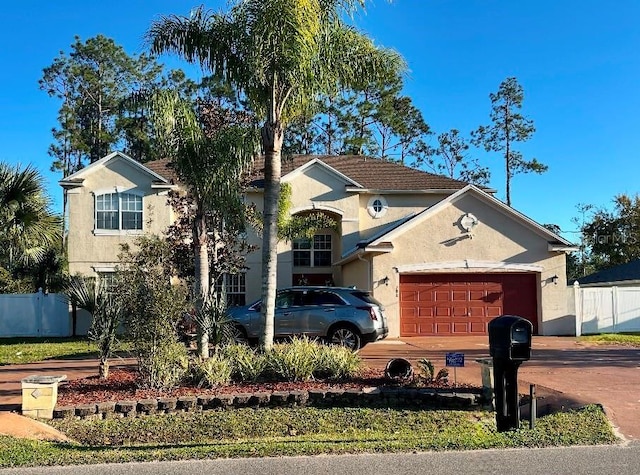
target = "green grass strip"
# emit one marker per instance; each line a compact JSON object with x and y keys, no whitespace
{"x":32,"y":350}
{"x":300,"y":431}
{"x":632,"y":339}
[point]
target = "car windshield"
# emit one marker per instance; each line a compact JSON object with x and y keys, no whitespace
{"x":365,"y":297}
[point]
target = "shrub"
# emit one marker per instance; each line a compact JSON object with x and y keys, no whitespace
{"x":211,"y":372}
{"x":247,"y":365}
{"x":107,"y":314}
{"x":162,"y":366}
{"x":443,"y":376}
{"x":337,"y":362}
{"x":294,"y":361}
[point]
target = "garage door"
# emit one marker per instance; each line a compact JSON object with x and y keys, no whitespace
{"x":463,"y":304}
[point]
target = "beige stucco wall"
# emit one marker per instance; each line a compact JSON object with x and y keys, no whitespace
{"x":440,"y":245}
{"x":319,"y":189}
{"x":88,"y":250}
{"x":498,"y":239}
{"x":399,"y":207}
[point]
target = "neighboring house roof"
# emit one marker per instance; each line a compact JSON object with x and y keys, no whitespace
{"x":366,"y":173}
{"x":77,"y":178}
{"x":628,"y":272}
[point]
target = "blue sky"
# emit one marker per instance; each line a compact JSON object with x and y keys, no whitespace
{"x":577,"y":61}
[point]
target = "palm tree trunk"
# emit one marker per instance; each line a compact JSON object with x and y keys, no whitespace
{"x":103,"y":368}
{"x":272,"y":137}
{"x":202,"y":280}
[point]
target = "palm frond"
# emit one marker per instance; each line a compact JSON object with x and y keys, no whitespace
{"x":82,"y":290}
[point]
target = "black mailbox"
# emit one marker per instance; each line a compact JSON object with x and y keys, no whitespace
{"x":510,"y":338}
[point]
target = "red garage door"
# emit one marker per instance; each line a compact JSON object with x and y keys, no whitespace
{"x":463,"y":304}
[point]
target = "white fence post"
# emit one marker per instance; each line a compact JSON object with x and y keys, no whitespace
{"x":614,"y":306}
{"x":577,"y":296}
{"x":39,"y":312}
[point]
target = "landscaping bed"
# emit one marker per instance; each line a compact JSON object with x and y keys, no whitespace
{"x":121,"y":396}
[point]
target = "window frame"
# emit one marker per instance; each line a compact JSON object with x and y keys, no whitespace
{"x":235,"y":287}
{"x":377,"y":206}
{"x":315,"y":249}
{"x":107,"y":281}
{"x":121,"y":194}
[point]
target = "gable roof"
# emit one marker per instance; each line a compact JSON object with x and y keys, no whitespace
{"x":622,"y":273}
{"x":163,"y":168}
{"x":365,"y":173}
{"x":76,"y":179}
{"x":557,"y":242}
{"x":316,"y":162}
{"x":366,"y":243}
{"x":359,"y":172}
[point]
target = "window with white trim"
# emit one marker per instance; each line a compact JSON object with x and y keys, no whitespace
{"x":235,"y":289}
{"x":377,"y":207}
{"x":107,"y":281}
{"x":314,"y":252}
{"x":118,"y":211}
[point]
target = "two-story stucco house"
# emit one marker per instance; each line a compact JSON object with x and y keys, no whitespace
{"x":444,"y":257}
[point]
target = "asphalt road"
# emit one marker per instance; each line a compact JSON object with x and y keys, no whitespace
{"x":599,"y":460}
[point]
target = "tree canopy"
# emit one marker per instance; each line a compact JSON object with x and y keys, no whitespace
{"x":508,"y":127}
{"x":31,"y":256}
{"x":613,"y":235}
{"x":280,"y":55}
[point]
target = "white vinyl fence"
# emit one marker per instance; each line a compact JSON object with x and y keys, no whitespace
{"x":36,"y":314}
{"x":607,"y":309}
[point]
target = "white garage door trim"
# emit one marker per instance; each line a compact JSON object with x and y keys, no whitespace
{"x":467,"y":264}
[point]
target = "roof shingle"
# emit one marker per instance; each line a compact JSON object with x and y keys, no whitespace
{"x":163,"y":168}
{"x":370,"y":173}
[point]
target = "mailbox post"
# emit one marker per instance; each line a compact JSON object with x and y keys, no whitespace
{"x":509,"y":345}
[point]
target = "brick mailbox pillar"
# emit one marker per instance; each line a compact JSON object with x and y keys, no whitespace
{"x":39,"y":395}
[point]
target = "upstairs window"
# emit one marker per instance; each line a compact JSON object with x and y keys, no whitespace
{"x":377,"y":207}
{"x":118,"y":211}
{"x":314,"y":252}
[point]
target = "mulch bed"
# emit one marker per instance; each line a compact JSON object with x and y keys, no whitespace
{"x":124,"y":384}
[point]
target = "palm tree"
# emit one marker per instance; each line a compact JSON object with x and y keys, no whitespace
{"x":106,"y":311}
{"x":209,"y":154}
{"x":280,"y":54}
{"x":28,"y":229}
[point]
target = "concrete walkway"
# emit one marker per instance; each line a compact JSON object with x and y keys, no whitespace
{"x":565,"y":372}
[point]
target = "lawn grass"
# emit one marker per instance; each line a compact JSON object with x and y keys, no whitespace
{"x":296,"y":431}
{"x":31,"y":350}
{"x":632,"y":339}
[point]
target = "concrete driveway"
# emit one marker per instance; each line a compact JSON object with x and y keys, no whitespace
{"x":566,"y":372}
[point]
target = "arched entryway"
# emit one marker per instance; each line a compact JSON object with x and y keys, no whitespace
{"x":313,"y":257}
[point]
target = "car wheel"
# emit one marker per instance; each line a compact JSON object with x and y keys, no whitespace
{"x":346,"y":336}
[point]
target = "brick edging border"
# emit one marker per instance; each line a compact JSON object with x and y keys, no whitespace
{"x":367,"y":397}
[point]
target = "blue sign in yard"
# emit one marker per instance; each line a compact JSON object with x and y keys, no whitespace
{"x":455,"y":360}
